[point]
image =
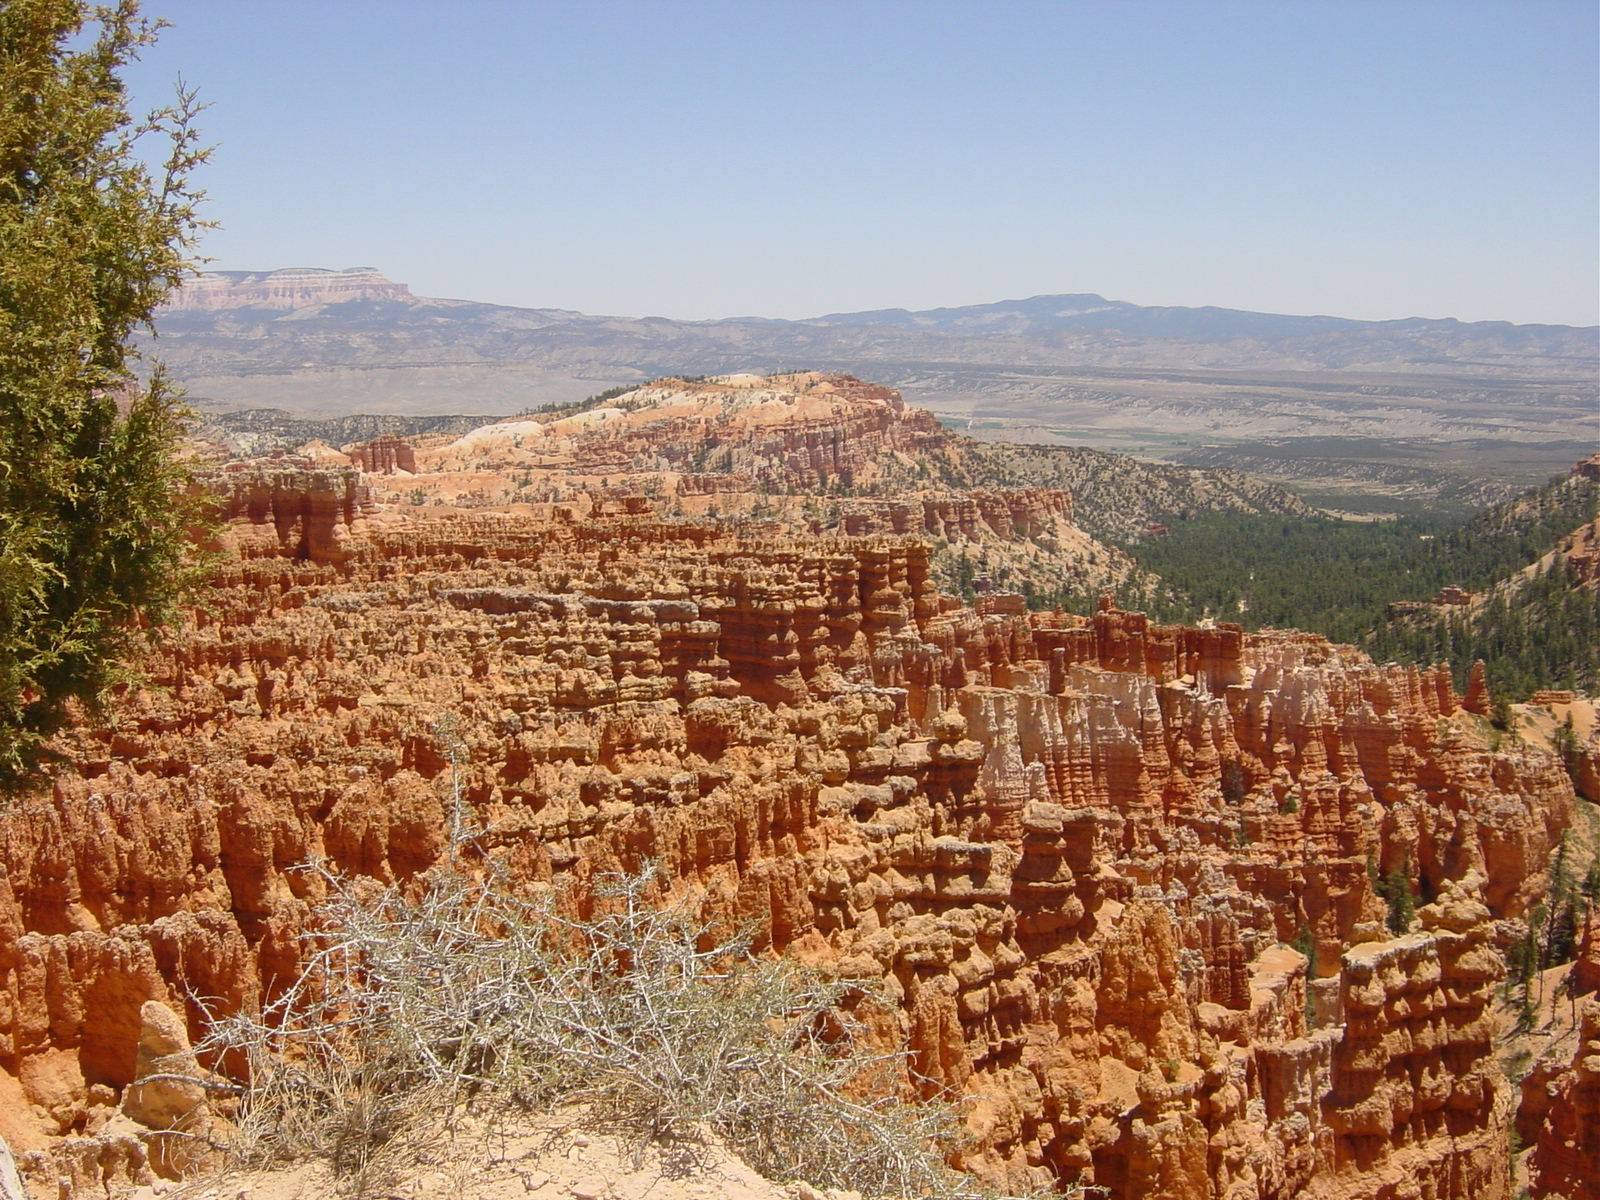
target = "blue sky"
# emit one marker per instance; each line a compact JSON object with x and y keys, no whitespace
{"x":708,"y":159}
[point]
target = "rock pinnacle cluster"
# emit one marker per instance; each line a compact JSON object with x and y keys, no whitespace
{"x":1117,"y":879}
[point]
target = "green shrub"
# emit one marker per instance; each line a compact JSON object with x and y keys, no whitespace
{"x":95,"y":514}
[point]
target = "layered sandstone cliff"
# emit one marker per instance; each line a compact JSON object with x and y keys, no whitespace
{"x":809,"y":452}
{"x":1070,"y":849}
{"x":802,"y":432}
{"x":291,"y":287}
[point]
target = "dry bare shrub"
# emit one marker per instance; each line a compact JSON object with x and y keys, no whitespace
{"x":636,"y":1015}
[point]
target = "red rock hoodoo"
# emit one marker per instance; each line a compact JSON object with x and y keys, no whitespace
{"x":1072,"y":850}
{"x":384,"y":456}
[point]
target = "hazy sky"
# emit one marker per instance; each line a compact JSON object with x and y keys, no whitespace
{"x":709,"y":159}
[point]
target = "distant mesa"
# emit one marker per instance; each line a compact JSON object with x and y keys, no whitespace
{"x":291,"y":287}
{"x":1257,"y":392}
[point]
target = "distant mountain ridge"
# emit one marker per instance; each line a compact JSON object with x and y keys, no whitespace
{"x":1087,"y":310}
{"x":305,"y":287}
{"x":243,"y":324}
{"x":1069,"y":369}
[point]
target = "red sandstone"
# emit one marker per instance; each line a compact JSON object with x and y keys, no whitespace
{"x":1072,"y":850}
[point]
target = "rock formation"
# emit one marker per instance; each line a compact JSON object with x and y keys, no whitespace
{"x":1586,"y":967}
{"x":789,"y":432}
{"x":1560,"y":1117}
{"x":165,"y":1094}
{"x":1071,"y":850}
{"x":811,"y":452}
{"x":309,"y":508}
{"x":384,"y":456}
{"x":291,"y":287}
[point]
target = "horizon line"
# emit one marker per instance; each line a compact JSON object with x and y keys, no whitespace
{"x":900,"y":309}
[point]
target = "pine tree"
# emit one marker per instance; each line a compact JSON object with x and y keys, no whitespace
{"x":1530,"y":954}
{"x":1560,"y":870}
{"x":1590,"y":887}
{"x":1561,"y":919}
{"x":1396,"y":890}
{"x":94,"y":519}
{"x":1527,"y":1012}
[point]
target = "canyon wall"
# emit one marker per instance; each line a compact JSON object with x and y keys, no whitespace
{"x":1071,"y":852}
{"x":1560,"y":1116}
{"x":1559,"y":1113}
{"x":1003,"y":513}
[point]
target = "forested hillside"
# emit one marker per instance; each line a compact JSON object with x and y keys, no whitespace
{"x":1543,"y":631}
{"x":1339,"y":578}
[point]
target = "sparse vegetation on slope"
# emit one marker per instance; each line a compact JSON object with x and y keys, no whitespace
{"x":652,"y":1024}
{"x":1115,"y":497}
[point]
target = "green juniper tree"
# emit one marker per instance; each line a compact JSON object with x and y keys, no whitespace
{"x":1564,"y":741}
{"x":1590,"y":888}
{"x":1528,"y":969}
{"x":95,"y":509}
{"x":1396,"y":889}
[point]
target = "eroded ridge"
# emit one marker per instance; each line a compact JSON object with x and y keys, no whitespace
{"x":1073,"y":851}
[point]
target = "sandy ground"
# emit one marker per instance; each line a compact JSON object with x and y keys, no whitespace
{"x":1538,"y":722}
{"x":488,"y":1163}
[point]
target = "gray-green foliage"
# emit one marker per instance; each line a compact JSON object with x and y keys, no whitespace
{"x":637,"y":1015}
{"x":94,"y":507}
